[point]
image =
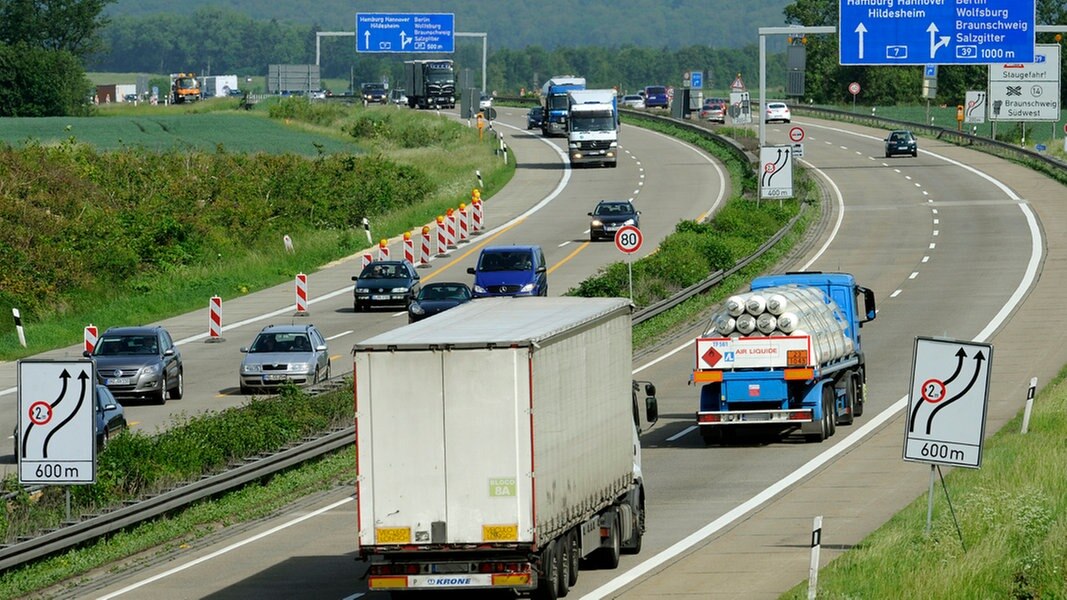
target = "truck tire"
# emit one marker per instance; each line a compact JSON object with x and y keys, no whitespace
{"x":548,"y":583}
{"x":861,"y":399}
{"x":830,"y":404}
{"x":633,"y":545}
{"x":850,"y":401}
{"x":563,"y":566}
{"x":824,"y":422}
{"x":608,"y":557}
{"x":575,"y":555}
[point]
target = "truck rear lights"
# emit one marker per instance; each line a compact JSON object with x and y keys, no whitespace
{"x":803,"y":415}
{"x":709,"y":418}
{"x":504,"y":567}
{"x":394,"y":569}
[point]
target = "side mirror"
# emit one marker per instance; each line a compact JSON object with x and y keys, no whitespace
{"x":470,"y":270}
{"x":650,"y":389}
{"x":354,"y":277}
{"x":168,"y":352}
{"x":540,"y":269}
{"x":651,"y":410}
{"x":85,"y":353}
{"x":244,"y":349}
{"x":590,"y":213}
{"x":321,"y":348}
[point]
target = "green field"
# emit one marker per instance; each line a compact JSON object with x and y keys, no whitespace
{"x":207,"y":132}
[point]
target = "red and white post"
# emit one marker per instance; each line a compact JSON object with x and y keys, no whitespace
{"x":450,"y":217}
{"x":424,"y":249}
{"x":214,"y":326}
{"x":442,"y":237}
{"x":301,"y":295}
{"x":409,"y":248}
{"x":383,"y":250}
{"x":464,"y":222}
{"x":91,"y":334}
{"x":367,"y":258}
{"x":477,"y":225}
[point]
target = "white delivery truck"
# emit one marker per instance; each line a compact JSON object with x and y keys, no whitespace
{"x":497,"y":446}
{"x":593,"y":127}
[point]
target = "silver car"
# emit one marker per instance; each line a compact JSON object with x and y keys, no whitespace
{"x":139,"y":362}
{"x":282,"y":354}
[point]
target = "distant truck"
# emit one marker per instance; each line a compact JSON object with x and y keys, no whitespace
{"x":184,"y":87}
{"x":788,"y":354}
{"x":593,"y":127}
{"x":656,"y":97}
{"x":430,"y":83}
{"x":495,"y":449}
{"x":555,"y":101}
{"x":217,"y":86}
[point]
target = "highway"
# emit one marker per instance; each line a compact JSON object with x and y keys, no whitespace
{"x":954,"y":244}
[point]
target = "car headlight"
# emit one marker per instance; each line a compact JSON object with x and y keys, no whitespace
{"x":400,"y":290}
{"x":615,"y":144}
{"x":527,"y":288}
{"x":596,"y":223}
{"x":479,"y":290}
{"x":415,"y":309}
{"x":629,"y":222}
{"x":150,"y":370}
{"x":251,"y":368}
{"x":304,"y":367}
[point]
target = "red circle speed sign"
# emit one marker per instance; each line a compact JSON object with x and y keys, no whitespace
{"x":796,"y":134}
{"x":854,"y":88}
{"x":628,"y":239}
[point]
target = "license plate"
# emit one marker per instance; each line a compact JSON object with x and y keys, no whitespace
{"x":274,"y":377}
{"x":610,"y":227}
{"x":117,"y":381}
{"x":380,"y":297}
{"x":392,"y":535}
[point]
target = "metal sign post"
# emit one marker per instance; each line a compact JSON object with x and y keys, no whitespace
{"x":628,"y":240}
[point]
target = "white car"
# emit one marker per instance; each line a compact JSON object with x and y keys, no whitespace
{"x":777,"y":111}
{"x":633,"y":101}
{"x":485,"y":102}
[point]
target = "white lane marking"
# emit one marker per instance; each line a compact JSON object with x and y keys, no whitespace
{"x":926,"y":259}
{"x":937,"y":221}
{"x":697,"y":537}
{"x":908,"y":177}
{"x":895,"y":293}
{"x":348,"y":289}
{"x":220,"y":552}
{"x":934,"y":210}
{"x":342,"y":334}
{"x":936,"y":233}
{"x":682,"y":433}
{"x":913,"y":275}
{"x":933,"y":245}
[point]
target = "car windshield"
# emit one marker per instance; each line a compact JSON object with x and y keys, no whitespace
{"x":505,"y":261}
{"x":127,"y":345}
{"x":593,"y":121}
{"x":382,"y":272}
{"x":444,"y":292}
{"x":281,"y":342}
{"x":612,"y":209}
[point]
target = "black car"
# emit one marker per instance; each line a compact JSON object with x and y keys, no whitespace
{"x":374,"y":93}
{"x":609,"y":216}
{"x":385,"y":282}
{"x":438,"y":297}
{"x":139,"y":362}
{"x":534,"y":117}
{"x":901,"y":142}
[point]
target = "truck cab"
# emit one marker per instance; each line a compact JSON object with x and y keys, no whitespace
{"x":593,"y":127}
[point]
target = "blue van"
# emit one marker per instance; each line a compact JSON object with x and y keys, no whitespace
{"x":510,"y":271}
{"x":656,"y":97}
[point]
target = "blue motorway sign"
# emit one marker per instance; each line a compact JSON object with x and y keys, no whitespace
{"x":405,"y":32}
{"x":944,"y":32}
{"x":696,"y":80}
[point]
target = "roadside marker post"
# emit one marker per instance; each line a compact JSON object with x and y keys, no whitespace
{"x":301,"y":295}
{"x":442,"y":237}
{"x":383,"y":250}
{"x":424,"y":253}
{"x":91,"y":333}
{"x":18,"y":326}
{"x":409,"y":248}
{"x":1029,"y":404}
{"x":214,"y":326}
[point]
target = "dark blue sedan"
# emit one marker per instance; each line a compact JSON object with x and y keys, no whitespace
{"x":535,"y":117}
{"x":437,"y":297}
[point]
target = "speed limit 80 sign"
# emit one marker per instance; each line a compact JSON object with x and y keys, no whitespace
{"x":628,"y":239}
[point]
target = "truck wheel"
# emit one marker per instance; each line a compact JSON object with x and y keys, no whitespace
{"x":633,"y":545}
{"x":861,"y":398}
{"x":830,"y":404}
{"x":850,"y":401}
{"x":824,"y":422}
{"x":563,"y":566}
{"x":548,"y":584}
{"x":575,"y":555}
{"x":609,"y":556}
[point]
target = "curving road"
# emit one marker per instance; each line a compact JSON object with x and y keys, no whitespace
{"x":954,"y":243}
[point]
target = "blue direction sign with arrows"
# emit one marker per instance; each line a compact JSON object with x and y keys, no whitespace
{"x":405,"y":32}
{"x":945,"y":32}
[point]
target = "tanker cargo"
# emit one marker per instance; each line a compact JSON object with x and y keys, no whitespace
{"x":785,"y":355}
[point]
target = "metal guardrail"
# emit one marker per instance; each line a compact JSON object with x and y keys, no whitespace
{"x":1043,"y":162}
{"x":109,"y":522}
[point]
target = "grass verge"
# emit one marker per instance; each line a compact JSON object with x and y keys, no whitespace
{"x":1012,"y":515}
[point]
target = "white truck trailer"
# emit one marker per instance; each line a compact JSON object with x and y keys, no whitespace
{"x":497,"y":445}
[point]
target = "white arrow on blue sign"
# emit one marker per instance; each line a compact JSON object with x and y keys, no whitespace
{"x":405,"y":32}
{"x":889,"y":32}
